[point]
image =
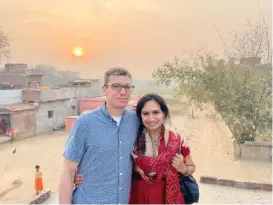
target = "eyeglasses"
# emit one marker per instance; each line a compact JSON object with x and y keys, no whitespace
{"x":118,"y":87}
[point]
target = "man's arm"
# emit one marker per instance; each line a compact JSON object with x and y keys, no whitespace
{"x":73,"y":154}
{"x":67,"y":181}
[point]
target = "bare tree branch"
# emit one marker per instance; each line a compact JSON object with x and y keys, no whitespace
{"x":266,"y":31}
{"x":219,"y":33}
{"x":4,"y":46}
{"x":250,"y":42}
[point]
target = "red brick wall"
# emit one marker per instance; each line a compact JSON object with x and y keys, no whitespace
{"x":31,"y":95}
{"x":15,"y":79}
{"x":16,"y":68}
{"x":90,"y":104}
{"x":93,"y":103}
{"x":69,"y":121}
{"x":34,"y":78}
{"x":24,"y":123}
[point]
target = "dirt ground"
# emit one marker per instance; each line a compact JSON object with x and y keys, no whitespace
{"x":210,"y":148}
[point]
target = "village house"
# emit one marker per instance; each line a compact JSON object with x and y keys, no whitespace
{"x":17,"y":76}
{"x":55,"y":105}
{"x":32,"y":111}
{"x":21,"y":118}
{"x":27,"y":108}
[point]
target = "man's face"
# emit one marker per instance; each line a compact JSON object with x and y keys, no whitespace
{"x":118,"y":90}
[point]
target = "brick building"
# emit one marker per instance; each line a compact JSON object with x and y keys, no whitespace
{"x":20,"y":117}
{"x":17,"y":76}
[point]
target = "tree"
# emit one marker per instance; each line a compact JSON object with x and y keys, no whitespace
{"x":241,"y":93}
{"x":243,"y":99}
{"x":252,"y":41}
{"x":4,"y":46}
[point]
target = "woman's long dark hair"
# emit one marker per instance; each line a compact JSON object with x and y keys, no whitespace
{"x":140,"y":141}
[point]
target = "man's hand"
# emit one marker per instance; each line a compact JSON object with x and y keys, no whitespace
{"x":141,"y":172}
{"x":78,"y":179}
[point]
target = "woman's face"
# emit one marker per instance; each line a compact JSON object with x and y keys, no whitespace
{"x":152,"y":116}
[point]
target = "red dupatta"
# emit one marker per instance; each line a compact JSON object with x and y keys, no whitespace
{"x":161,"y":164}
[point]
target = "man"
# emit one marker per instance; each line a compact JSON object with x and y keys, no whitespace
{"x":99,"y":147}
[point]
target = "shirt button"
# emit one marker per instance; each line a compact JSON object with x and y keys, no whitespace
{"x":119,"y":188}
{"x":120,"y":142}
{"x":120,"y":173}
{"x":120,"y":157}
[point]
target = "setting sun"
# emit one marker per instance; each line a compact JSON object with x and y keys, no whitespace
{"x":78,"y":52}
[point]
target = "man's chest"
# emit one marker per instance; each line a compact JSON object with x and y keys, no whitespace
{"x":111,"y":138}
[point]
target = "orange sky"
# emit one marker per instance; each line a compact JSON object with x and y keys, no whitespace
{"x":137,"y":34}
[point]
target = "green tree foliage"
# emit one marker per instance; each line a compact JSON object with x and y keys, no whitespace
{"x":242,"y":94}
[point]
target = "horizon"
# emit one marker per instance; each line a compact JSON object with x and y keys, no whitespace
{"x":138,"y":35}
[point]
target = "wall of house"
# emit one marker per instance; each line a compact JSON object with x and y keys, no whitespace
{"x":62,"y":102}
{"x":90,"y":104}
{"x":24,"y":123}
{"x":31,"y":95}
{"x":18,"y":68}
{"x":15,"y":79}
{"x":67,"y":93}
{"x":60,"y":110}
{"x":87,"y":104}
{"x":10,"y":97}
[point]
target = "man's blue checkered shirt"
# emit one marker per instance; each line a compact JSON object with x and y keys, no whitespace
{"x":103,"y":151}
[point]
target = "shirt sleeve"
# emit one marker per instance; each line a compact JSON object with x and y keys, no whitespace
{"x":75,"y":145}
{"x":185,"y":150}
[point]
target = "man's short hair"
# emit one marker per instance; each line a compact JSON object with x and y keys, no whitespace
{"x":116,"y":71}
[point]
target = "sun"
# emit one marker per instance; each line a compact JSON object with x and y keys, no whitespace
{"x":78,"y":52}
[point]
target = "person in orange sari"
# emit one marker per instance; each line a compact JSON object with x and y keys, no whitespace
{"x":38,"y":180}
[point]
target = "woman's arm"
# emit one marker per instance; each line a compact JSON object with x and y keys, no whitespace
{"x":183,"y":165}
{"x":189,"y":168}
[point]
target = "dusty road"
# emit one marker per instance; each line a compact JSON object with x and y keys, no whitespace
{"x":210,"y":150}
{"x":216,"y":195}
{"x":44,"y":150}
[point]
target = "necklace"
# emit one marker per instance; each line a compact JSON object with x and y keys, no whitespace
{"x":155,"y":141}
{"x":155,"y":146}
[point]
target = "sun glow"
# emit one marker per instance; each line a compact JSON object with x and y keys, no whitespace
{"x":78,"y":52}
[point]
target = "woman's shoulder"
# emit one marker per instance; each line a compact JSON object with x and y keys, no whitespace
{"x":180,"y":136}
{"x":175,"y":133}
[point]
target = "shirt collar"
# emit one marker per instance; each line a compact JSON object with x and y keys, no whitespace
{"x":108,"y":115}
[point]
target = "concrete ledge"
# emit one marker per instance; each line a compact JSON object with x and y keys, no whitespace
{"x":4,"y":140}
{"x":261,"y":144}
{"x":208,"y":180}
{"x":40,"y":198}
{"x":235,"y":183}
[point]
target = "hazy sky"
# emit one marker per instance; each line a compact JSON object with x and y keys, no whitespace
{"x":137,"y":34}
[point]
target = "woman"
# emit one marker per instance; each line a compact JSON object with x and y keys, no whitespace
{"x":157,"y":161}
{"x":159,"y":154}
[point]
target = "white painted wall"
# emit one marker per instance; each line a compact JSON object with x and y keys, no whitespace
{"x":61,"y":108}
{"x":10,"y":97}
